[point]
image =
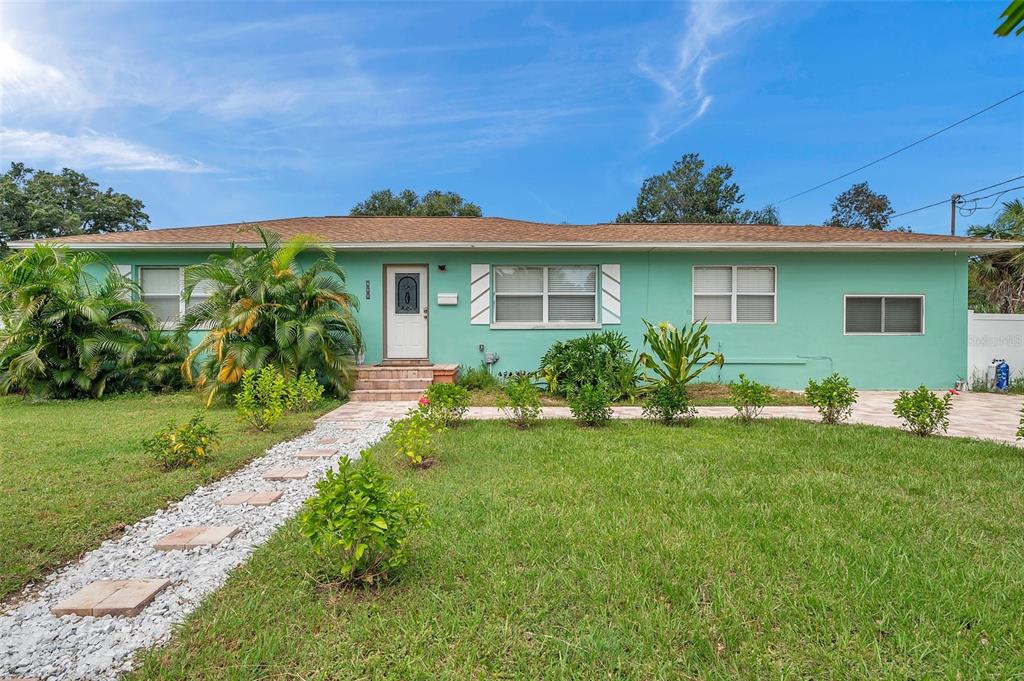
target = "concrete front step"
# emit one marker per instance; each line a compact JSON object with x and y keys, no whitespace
{"x":392,"y":383}
{"x":384,"y":395}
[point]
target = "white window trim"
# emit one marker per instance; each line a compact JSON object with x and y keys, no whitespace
{"x":735,"y":293}
{"x":883,"y":296}
{"x":544,"y":323}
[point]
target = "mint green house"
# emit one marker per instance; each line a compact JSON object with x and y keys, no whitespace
{"x":784,"y":304}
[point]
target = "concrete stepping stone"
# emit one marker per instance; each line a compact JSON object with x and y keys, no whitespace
{"x":250,"y":499}
{"x":353,"y":426}
{"x":118,"y":598}
{"x":314,"y":453}
{"x":339,"y":440}
{"x":286,"y":474}
{"x":185,"y":538}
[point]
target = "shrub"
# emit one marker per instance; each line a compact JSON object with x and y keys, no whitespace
{"x":413,"y":437}
{"x":1020,"y":425}
{"x":359,"y":523}
{"x":520,"y":402}
{"x":680,"y":355}
{"x":923,"y":412}
{"x":261,"y":308}
{"x":262,"y":398}
{"x":668,"y":404}
{"x":185,"y":445}
{"x":590,"y":405}
{"x":303,"y":392}
{"x":749,"y":398}
{"x":66,"y":331}
{"x":446,"y":403}
{"x":601,"y":357}
{"x":833,"y":397}
{"x":478,"y":378}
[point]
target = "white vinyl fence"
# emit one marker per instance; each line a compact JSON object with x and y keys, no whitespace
{"x":994,"y":336}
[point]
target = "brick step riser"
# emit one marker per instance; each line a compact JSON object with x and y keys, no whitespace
{"x":393,"y":384}
{"x":379,"y":373}
{"x":384,"y":395}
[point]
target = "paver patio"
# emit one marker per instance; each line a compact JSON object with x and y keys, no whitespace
{"x":979,"y":415}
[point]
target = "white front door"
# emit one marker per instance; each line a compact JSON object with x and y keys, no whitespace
{"x":406,"y":311}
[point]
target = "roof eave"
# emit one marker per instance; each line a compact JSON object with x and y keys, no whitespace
{"x":849,"y":246}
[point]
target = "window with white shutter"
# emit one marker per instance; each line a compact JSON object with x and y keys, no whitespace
{"x":902,"y":314}
{"x":553,"y":295}
{"x":734,"y":294}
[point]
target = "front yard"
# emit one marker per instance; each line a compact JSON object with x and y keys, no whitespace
{"x":782,"y":549}
{"x":73,"y":473}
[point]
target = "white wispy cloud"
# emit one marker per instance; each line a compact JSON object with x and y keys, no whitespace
{"x":679,"y":74}
{"x":90,"y":150}
{"x":27,"y":83}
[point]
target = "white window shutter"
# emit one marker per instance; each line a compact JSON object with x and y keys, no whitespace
{"x":126,"y":272}
{"x":611,"y":312}
{"x":480,"y":294}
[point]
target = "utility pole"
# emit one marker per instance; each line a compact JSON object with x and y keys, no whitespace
{"x":953,"y":200}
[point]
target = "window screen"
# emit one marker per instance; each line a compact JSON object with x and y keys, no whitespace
{"x":161,"y":290}
{"x":884,"y":314}
{"x":562,"y":294}
{"x":723,"y":295}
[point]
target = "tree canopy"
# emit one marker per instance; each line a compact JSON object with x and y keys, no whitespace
{"x":686,"y":193}
{"x":407,"y":202}
{"x":36,"y":204}
{"x":996,"y":280}
{"x":861,"y":208}
{"x":1014,"y":23}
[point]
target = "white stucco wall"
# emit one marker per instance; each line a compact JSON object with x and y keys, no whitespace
{"x":991,"y":336}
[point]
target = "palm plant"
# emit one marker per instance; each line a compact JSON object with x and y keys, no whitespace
{"x":65,"y":332}
{"x":996,"y":281}
{"x":679,"y":355}
{"x":261,"y":309}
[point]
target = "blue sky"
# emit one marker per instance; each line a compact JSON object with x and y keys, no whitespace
{"x":553,"y":112}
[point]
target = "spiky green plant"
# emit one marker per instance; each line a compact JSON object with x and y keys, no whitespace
{"x":263,"y":309}
{"x":678,"y":355}
{"x":67,"y":329}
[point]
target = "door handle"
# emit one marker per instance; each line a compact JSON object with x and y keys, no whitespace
{"x":426,"y":312}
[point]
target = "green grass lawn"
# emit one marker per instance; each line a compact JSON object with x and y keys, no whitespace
{"x":73,"y":473}
{"x":779,"y":550}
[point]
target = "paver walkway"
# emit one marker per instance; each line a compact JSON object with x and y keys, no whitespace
{"x":980,"y":415}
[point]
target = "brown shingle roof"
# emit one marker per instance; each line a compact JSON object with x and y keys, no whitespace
{"x":501,"y":232}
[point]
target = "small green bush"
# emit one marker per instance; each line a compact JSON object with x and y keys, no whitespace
{"x":923,"y":412}
{"x":591,"y":405}
{"x":359,"y":523}
{"x":185,"y":445}
{"x":1020,"y":425}
{"x":263,"y":397}
{"x":303,"y":392}
{"x":478,"y":378}
{"x":520,"y":402}
{"x":833,"y":398}
{"x":601,"y":357}
{"x":669,"y":404}
{"x":413,"y":437}
{"x":749,"y":398}
{"x":446,"y":403}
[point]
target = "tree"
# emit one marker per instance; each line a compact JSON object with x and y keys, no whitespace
{"x":1014,"y":14}
{"x":860,"y":208}
{"x":36,"y":204}
{"x":263,"y":309}
{"x":996,"y":280}
{"x":406,"y":202}
{"x":67,"y":333}
{"x":687,"y":194}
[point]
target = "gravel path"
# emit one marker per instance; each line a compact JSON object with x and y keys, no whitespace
{"x":34,"y":643}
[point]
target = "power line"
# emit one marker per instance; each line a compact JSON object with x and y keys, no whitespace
{"x":902,"y":149}
{"x":975,"y":208}
{"x":963,"y":197}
